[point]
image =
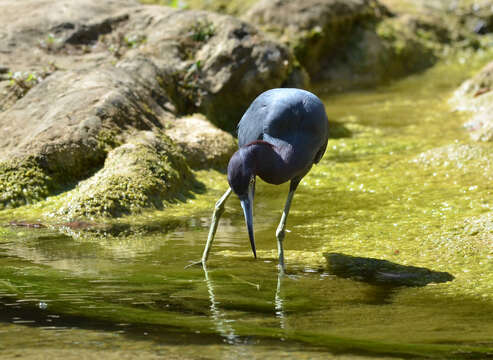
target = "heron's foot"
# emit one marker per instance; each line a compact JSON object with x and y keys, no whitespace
{"x":195,"y":263}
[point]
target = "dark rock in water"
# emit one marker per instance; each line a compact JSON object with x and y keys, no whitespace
{"x":382,"y":272}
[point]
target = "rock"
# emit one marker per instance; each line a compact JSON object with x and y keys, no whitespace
{"x":127,"y":68}
{"x":476,"y":96}
{"x":202,"y":144}
{"x":315,"y":29}
{"x":216,"y":64}
{"x":477,"y":15}
{"x":375,"y":55}
{"x":473,"y":16}
{"x":47,"y":26}
{"x":355,"y":43}
{"x":74,"y":118}
{"x":204,"y":55}
{"x":480,"y":84}
{"x":52,"y":35}
{"x":137,"y":175}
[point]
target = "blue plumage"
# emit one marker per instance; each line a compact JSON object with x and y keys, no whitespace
{"x":281,"y":135}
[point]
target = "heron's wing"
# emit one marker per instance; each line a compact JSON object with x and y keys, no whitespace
{"x":251,"y":127}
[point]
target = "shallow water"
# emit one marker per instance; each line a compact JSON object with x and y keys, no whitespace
{"x":69,"y":294}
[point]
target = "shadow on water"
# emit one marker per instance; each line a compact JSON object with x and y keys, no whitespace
{"x":386,"y":276}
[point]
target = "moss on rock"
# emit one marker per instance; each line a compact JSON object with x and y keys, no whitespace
{"x":22,"y":181}
{"x":410,"y":45}
{"x":140,"y":174}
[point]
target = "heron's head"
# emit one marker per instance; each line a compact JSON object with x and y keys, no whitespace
{"x":241,"y":178}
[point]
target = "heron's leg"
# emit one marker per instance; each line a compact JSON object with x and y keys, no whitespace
{"x":216,"y":215}
{"x":280,"y":233}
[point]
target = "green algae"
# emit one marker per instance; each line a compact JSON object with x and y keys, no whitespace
{"x":27,"y":180}
{"x":136,"y":175}
{"x":22,"y":181}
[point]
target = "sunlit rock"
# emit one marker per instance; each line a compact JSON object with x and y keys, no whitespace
{"x":202,"y":144}
{"x":476,"y":96}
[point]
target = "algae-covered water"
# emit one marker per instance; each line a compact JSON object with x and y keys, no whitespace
{"x":375,"y":195}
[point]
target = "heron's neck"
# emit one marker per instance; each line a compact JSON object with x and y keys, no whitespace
{"x":270,"y":162}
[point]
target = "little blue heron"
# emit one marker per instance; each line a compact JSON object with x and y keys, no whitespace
{"x":281,"y":135}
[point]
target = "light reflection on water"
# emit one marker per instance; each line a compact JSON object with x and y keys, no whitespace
{"x":131,"y":293}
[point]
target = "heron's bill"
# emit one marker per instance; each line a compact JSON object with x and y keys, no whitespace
{"x":247,"y":205}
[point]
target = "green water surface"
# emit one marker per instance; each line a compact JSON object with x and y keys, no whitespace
{"x":79,"y":294}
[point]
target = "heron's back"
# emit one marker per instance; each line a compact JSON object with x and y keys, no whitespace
{"x":285,"y":115}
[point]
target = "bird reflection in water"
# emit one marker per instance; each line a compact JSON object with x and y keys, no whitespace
{"x":224,"y":326}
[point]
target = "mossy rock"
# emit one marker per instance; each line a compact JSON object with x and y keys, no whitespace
{"x":22,"y":181}
{"x":143,"y":173}
{"x":411,"y":45}
{"x":314,"y":29}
